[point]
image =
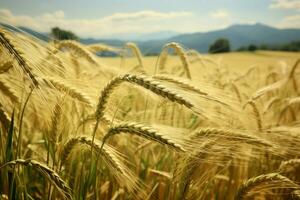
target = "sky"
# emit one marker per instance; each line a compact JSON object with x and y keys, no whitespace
{"x":104,"y":18}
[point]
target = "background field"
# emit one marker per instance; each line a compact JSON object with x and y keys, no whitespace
{"x":235,"y":61}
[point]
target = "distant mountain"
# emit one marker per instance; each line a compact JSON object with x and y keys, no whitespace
{"x":41,"y":36}
{"x":112,"y":42}
{"x":238,"y":35}
{"x":159,"y":35}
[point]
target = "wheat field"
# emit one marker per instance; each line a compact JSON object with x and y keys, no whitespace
{"x":181,"y":125}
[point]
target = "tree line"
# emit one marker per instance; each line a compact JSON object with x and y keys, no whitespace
{"x":223,"y":45}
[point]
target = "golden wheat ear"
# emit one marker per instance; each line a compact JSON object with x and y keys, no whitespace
{"x":143,"y":81}
{"x":99,"y":47}
{"x":72,"y":91}
{"x":146,"y":132}
{"x":235,"y":88}
{"x":231,"y":135}
{"x":112,"y":158}
{"x":272,"y":180}
{"x":180,"y":52}
{"x":292,"y":165}
{"x":256,"y":114}
{"x":292,"y":73}
{"x":181,"y":83}
{"x":78,"y":48}
{"x":6,"y":90}
{"x":6,"y":40}
{"x":269,"y":88}
{"x":293,"y":77}
{"x":47,"y":172}
{"x":56,"y":116}
{"x":136,"y":52}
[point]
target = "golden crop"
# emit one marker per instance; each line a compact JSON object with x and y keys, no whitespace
{"x":75,"y":125}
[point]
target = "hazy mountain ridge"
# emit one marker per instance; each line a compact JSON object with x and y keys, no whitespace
{"x":238,"y":35}
{"x":159,"y":35}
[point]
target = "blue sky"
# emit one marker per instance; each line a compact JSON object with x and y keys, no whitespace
{"x":103,"y":18}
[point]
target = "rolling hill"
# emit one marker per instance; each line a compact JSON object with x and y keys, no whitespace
{"x":238,"y":35}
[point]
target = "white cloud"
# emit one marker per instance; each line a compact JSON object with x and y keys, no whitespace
{"x":117,"y":23}
{"x":57,"y":15}
{"x":149,"y":15}
{"x":292,"y":21}
{"x":285,"y":4}
{"x":220,"y":14}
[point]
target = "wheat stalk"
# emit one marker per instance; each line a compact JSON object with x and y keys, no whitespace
{"x":55,"y":121}
{"x":47,"y":172}
{"x":136,"y":51}
{"x":255,"y":182}
{"x":269,"y":88}
{"x":180,"y":52}
{"x":292,"y":75}
{"x":190,"y":164}
{"x":7,"y":42}
{"x":292,"y":101}
{"x":288,"y":107}
{"x":8,"y":92}
{"x":162,"y":60}
{"x":231,"y":135}
{"x":256,"y":113}
{"x":199,"y":57}
{"x":272,"y":75}
{"x":60,"y":85}
{"x":187,"y":86}
{"x":102,"y":47}
{"x":57,"y":62}
{"x":249,"y":71}
{"x":183,"y":175}
{"x":78,"y":48}
{"x":105,"y":151}
{"x":111,"y":157}
{"x":289,"y":166}
{"x":145,"y":132}
{"x":236,"y":90}
{"x":292,"y":72}
{"x":140,"y":80}
{"x":270,"y":103}
{"x":183,"y":84}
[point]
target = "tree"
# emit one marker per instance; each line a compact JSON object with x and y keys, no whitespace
{"x":219,"y":46}
{"x":252,"y":47}
{"x":61,"y":34}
